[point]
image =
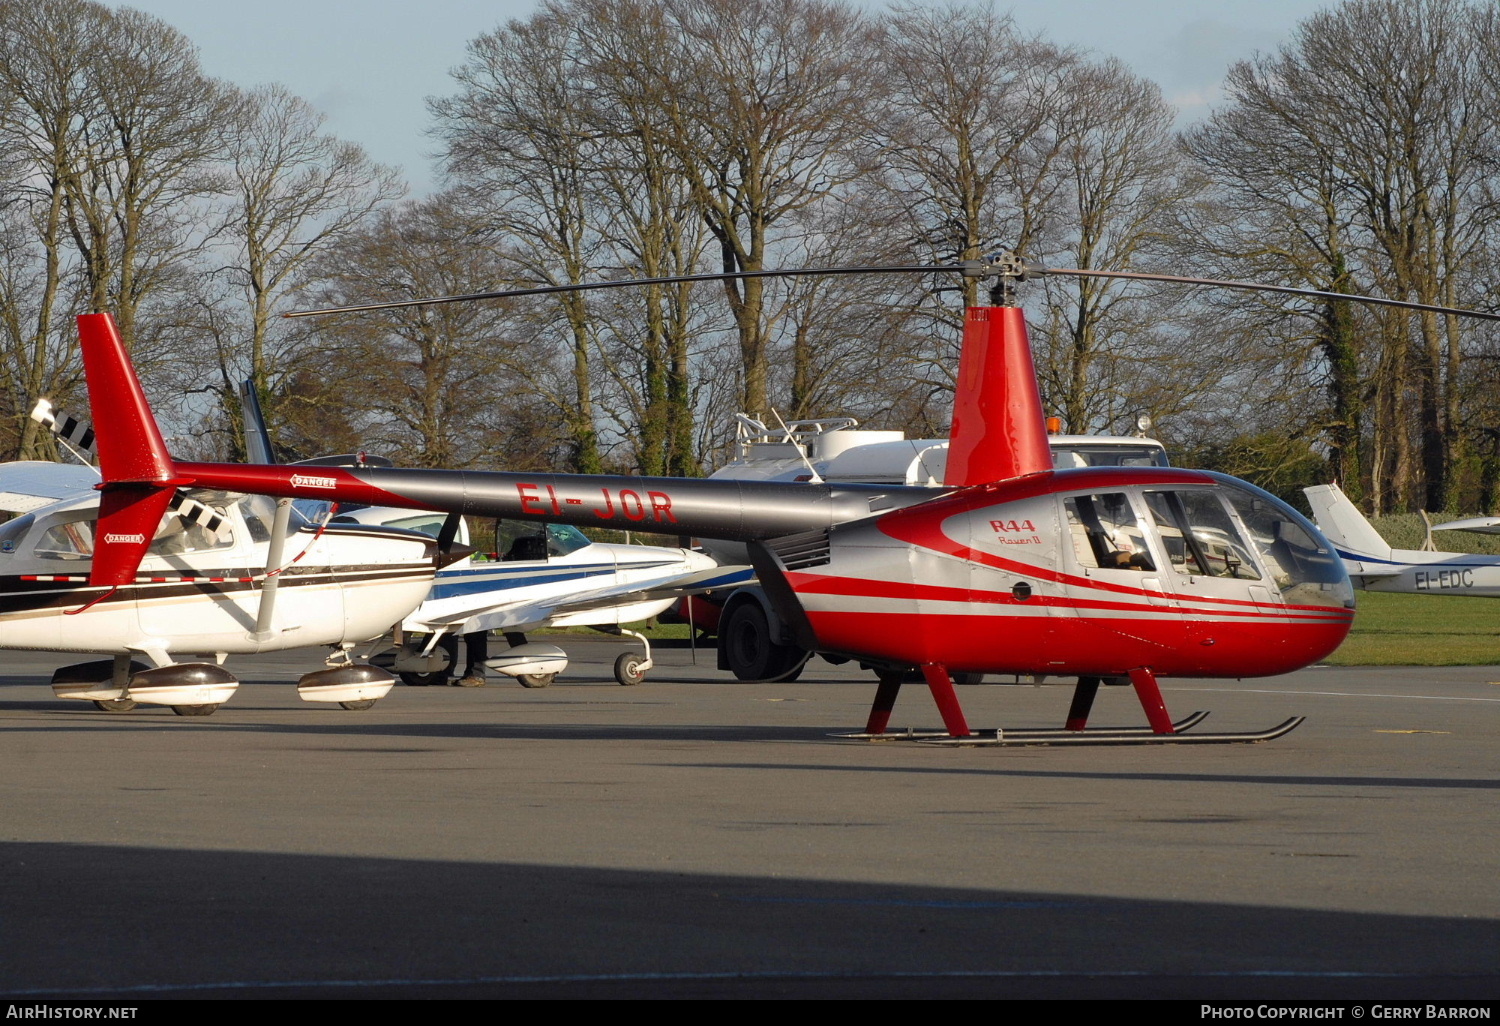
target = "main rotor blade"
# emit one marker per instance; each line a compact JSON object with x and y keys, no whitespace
{"x":999,"y":265}
{"x":544,"y":290}
{"x":1255,"y":287}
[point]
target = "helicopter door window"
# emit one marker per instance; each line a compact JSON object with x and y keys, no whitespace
{"x":1199,"y":536}
{"x":1106,"y":532}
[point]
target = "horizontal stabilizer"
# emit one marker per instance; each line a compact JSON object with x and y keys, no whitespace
{"x":1361,"y":572}
{"x":1475,"y":525}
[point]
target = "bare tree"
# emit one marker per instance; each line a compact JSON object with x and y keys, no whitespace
{"x":963,"y":140}
{"x":46,"y":97}
{"x":435,"y":386}
{"x":1378,"y":126}
{"x":764,"y":100}
{"x":293,"y":193}
{"x":647,"y":217}
{"x":517,"y":139}
{"x":1117,"y":175}
{"x":150,"y":134}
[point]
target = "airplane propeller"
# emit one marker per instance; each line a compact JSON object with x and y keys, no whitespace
{"x":77,"y":434}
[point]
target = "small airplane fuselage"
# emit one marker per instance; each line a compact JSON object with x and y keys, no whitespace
{"x":199,"y":591}
{"x":1436,"y":573}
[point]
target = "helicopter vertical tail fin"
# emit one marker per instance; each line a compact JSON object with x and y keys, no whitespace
{"x":139,"y":476}
{"x":999,"y":431}
{"x":1344,"y":525}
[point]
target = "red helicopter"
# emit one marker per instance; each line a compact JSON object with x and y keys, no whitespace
{"x":1109,"y":574}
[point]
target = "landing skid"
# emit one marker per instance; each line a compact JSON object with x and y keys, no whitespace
{"x":1186,"y":723}
{"x":1126,"y":736}
{"x":1162,"y":731}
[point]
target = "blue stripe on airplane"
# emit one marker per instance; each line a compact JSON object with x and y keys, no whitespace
{"x":1355,"y":557}
{"x":472,"y":581}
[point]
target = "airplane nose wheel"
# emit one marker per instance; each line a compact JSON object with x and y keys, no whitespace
{"x":629,"y":669}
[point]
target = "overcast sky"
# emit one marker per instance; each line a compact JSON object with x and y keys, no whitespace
{"x":370,"y":65}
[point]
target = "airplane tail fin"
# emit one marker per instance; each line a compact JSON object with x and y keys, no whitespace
{"x":257,"y":438}
{"x":999,"y":431}
{"x":1343,"y":524}
{"x":139,"y":476}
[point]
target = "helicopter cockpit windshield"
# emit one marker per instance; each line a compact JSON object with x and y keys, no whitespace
{"x":1299,"y":559}
{"x":1232,"y":532}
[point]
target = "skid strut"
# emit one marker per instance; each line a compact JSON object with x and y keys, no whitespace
{"x":1161,"y":730}
{"x":938,"y":682}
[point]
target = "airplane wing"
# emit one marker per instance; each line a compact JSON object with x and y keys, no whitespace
{"x":491,"y":615}
{"x":1476,"y":525}
{"x":31,"y":484}
{"x":686,"y":584}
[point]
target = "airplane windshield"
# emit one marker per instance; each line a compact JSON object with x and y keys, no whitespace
{"x":12,"y":532}
{"x":259,"y":512}
{"x":427,"y":523}
{"x":73,"y":539}
{"x":563,"y":539}
{"x":524,"y":540}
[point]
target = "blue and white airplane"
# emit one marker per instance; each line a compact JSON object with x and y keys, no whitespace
{"x":539,"y":576}
{"x":1375,"y":566}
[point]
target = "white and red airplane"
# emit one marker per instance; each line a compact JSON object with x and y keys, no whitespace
{"x":218,"y":574}
{"x":1010,"y":566}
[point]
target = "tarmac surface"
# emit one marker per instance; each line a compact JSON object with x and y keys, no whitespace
{"x":695,"y":836}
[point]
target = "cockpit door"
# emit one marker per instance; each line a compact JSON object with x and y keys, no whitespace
{"x":1118,"y":583}
{"x":1214,"y":572}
